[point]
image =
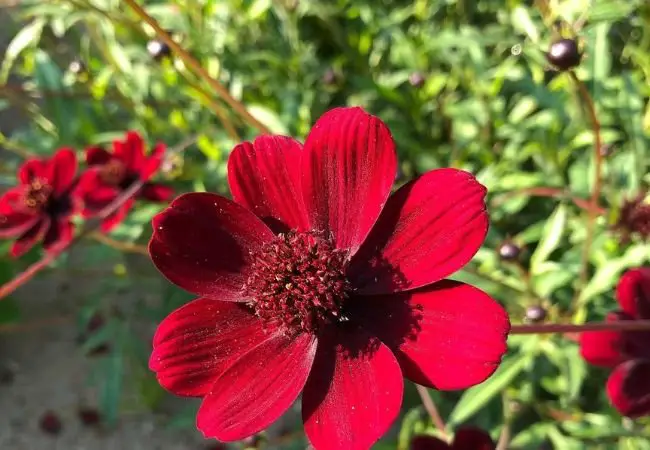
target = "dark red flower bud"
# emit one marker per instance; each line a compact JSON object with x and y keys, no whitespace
{"x":634,"y":218}
{"x":330,"y":78}
{"x":77,"y":67}
{"x":90,"y":417}
{"x":564,"y":54}
{"x":158,"y":50}
{"x":417,"y":79}
{"x":50,"y":423}
{"x":535,"y":314}
{"x":509,"y":251}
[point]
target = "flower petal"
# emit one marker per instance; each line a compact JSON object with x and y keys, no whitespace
{"x":130,"y":151}
{"x":354,"y":391}
{"x":152,"y":163}
{"x":628,"y":388}
{"x":429,"y":229}
{"x":61,"y":170}
{"x":423,"y":442}
{"x":257,"y":389}
{"x":348,"y":167}
{"x":13,"y":221}
{"x":155,"y":192}
{"x":97,"y":156}
{"x":117,"y":217}
{"x":203,"y":243}
{"x":30,"y":169}
{"x":30,"y":237}
{"x":633,"y":292}
{"x":265,"y":177}
{"x":471,"y":438}
{"x":449,"y":335}
{"x":603,"y":348}
{"x":59,"y":235}
{"x":199,"y":341}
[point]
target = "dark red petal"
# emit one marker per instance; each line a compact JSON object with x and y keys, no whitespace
{"x":99,"y":198}
{"x":32,"y":168}
{"x":633,"y":292}
{"x":203,"y":243}
{"x":628,"y":388}
{"x":429,"y":229}
{"x":471,"y":438}
{"x":152,"y":163}
{"x":13,"y":221}
{"x":155,"y":192}
{"x":354,"y":391}
{"x":97,"y":156}
{"x":30,"y":237}
{"x":59,"y":235}
{"x":199,"y":341}
{"x":449,"y":335}
{"x":256,"y":390}
{"x":130,"y":151}
{"x":603,"y":348}
{"x":117,"y":217}
{"x":62,"y":169}
{"x":428,"y":443}
{"x":265,"y":177}
{"x":348,"y":167}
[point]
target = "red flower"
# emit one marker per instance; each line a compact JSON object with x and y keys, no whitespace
{"x":115,"y":172}
{"x":315,"y":280}
{"x":466,"y":438}
{"x":39,"y":208}
{"x":628,"y":352}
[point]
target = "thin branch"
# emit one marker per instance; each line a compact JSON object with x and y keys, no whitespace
{"x":553,"y":192}
{"x":128,"y":247}
{"x":597,"y":183}
{"x":431,"y":409}
{"x":89,"y":227}
{"x":504,"y":437}
{"x":191,"y":62}
{"x":623,"y":325}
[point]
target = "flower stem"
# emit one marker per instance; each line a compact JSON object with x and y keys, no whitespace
{"x":553,"y":192}
{"x":119,"y":245}
{"x":196,"y":67}
{"x":623,"y":325}
{"x":431,"y":409}
{"x":597,"y":183}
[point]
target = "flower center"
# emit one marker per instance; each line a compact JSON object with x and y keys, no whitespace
{"x":38,"y":194}
{"x":113,"y":172}
{"x":298,"y":282}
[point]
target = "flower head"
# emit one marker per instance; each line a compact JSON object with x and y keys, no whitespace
{"x":634,"y":218}
{"x":466,"y":438}
{"x":40,"y":207}
{"x":112,"y":173}
{"x":628,"y":352}
{"x":316,"y":280}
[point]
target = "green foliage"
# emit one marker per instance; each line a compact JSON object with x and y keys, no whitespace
{"x":489,"y":104}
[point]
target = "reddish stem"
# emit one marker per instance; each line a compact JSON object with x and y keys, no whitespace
{"x":553,"y":192}
{"x":623,"y":325}
{"x":431,"y":409}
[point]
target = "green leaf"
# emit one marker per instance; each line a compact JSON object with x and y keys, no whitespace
{"x":29,"y":35}
{"x":268,"y":118}
{"x":551,"y":237}
{"x":477,"y":397}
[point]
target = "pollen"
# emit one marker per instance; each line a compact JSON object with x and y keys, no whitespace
{"x":298,"y":283}
{"x":37,"y":195}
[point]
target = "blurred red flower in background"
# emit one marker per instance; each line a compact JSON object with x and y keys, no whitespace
{"x":316,"y":280}
{"x":112,"y":173}
{"x":627,"y":352}
{"x":466,"y":438}
{"x":40,"y":207}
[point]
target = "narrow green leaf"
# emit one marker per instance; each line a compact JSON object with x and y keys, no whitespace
{"x":29,"y":35}
{"x":551,"y":238}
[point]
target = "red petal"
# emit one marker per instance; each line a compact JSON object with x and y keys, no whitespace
{"x":348,"y":167}
{"x":203,"y":243}
{"x":14,"y":222}
{"x":633,"y":292}
{"x":199,"y":341}
{"x":628,"y":388}
{"x":61,"y":170}
{"x":470,"y":438}
{"x":59,"y":235}
{"x":30,"y":237}
{"x":32,"y":168}
{"x":354,"y":391}
{"x":156,"y":192}
{"x":152,"y":163}
{"x":429,"y":229}
{"x":428,"y":443}
{"x":97,"y":156}
{"x":130,"y":151}
{"x":118,"y":216}
{"x":256,"y":390}
{"x":449,"y":335}
{"x":265,"y":177}
{"x":603,"y":348}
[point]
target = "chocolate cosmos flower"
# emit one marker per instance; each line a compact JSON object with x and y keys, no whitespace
{"x":40,"y":207}
{"x":466,"y":438}
{"x":315,"y":280}
{"x":627,"y":352}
